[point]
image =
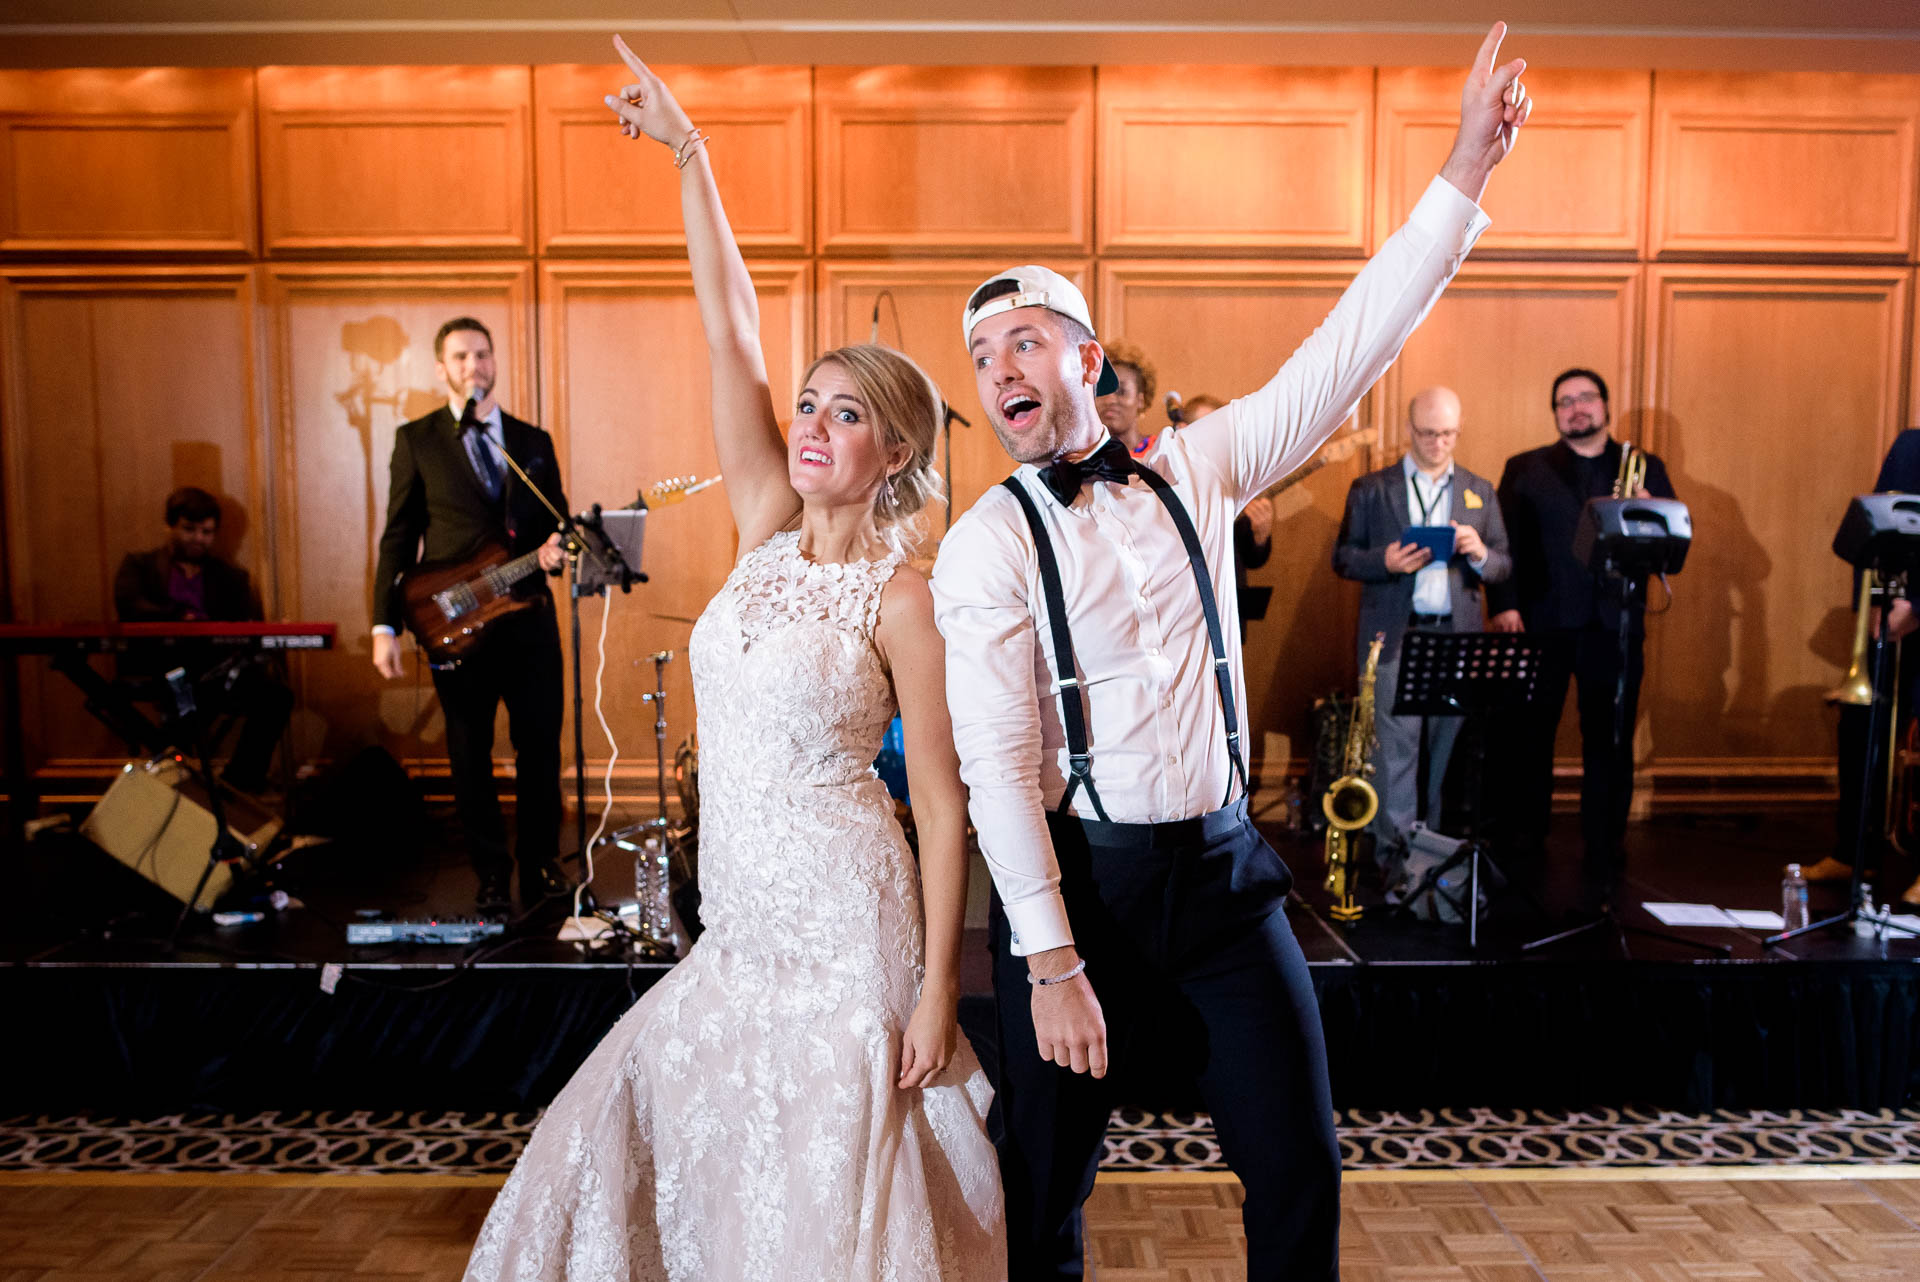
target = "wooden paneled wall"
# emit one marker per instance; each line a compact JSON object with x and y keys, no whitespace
{"x":232,"y":278}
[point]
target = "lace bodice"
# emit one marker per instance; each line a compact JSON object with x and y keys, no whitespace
{"x":780,"y":633}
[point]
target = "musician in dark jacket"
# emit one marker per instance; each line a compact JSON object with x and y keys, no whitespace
{"x":452,"y":495}
{"x":1552,"y":594}
{"x":185,"y":581}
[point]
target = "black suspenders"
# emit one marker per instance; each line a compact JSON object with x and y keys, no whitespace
{"x":1072,"y":718}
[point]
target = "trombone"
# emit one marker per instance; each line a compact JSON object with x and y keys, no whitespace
{"x":1856,"y":691}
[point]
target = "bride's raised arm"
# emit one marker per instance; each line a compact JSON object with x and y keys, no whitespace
{"x":746,"y":432}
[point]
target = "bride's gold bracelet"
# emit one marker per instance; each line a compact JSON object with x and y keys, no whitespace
{"x":684,"y":152}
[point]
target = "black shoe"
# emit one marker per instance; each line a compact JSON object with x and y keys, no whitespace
{"x":541,"y":881}
{"x":496,"y":895}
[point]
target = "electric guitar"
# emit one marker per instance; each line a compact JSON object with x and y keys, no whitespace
{"x":450,"y":605}
{"x":1338,"y":451}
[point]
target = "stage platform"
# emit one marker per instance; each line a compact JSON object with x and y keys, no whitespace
{"x":285,"y":1014}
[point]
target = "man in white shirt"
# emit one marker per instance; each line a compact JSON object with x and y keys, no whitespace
{"x":1405,"y":587}
{"x":1097,"y":699}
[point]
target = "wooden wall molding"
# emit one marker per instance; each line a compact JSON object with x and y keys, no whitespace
{"x":1575,"y":186}
{"x":420,"y":160}
{"x":600,"y":192}
{"x":1772,"y":393}
{"x":1209,"y":160}
{"x":1499,"y":336}
{"x":1784,"y":164}
{"x":627,"y":386}
{"x":127,"y":161}
{"x":921,"y":160}
{"x":120,"y":384}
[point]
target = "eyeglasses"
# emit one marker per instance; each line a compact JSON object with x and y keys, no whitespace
{"x":1577,"y":398}
{"x":1434,"y":433}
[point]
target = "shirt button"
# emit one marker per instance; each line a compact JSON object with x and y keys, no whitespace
{"x":1154,"y":651}
{"x":1172,"y":760}
{"x":1167,"y":702}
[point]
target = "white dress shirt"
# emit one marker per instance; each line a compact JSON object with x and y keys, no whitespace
{"x":1429,"y":502}
{"x":1154,"y":723}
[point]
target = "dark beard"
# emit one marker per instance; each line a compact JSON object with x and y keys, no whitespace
{"x":1586,"y":433}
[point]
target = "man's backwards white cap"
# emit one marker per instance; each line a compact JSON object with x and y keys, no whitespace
{"x":1034,"y":286}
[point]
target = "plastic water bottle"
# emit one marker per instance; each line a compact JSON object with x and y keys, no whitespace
{"x":1793,"y":899}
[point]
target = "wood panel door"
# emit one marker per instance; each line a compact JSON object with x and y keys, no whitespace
{"x":1223,"y":328}
{"x":917,"y":160}
{"x":1772,"y":394}
{"x":627,"y":386}
{"x":920,"y":315}
{"x":1211,"y":159}
{"x":1576,"y":184}
{"x":1784,"y":163}
{"x":1499,"y":336}
{"x":601,"y":192}
{"x":127,"y":160}
{"x":121,"y":384}
{"x":352,"y":351}
{"x":416,"y":160}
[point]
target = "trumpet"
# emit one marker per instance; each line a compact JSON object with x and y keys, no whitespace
{"x":1351,"y":801}
{"x":1632,"y":476}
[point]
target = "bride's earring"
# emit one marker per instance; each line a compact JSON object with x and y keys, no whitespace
{"x":886,"y":492}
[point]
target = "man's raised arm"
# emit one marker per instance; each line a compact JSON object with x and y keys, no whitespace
{"x":1260,"y":438}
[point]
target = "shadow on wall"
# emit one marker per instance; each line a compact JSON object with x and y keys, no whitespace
{"x":1716,"y":690}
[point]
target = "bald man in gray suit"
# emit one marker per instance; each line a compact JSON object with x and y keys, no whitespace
{"x":1403,"y":587}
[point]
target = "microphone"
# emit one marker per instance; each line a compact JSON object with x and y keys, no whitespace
{"x":471,"y":414}
{"x":1176,"y":415}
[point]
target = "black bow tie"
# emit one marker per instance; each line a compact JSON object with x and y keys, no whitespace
{"x":1111,"y":462}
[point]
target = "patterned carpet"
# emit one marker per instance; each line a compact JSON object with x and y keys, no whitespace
{"x":312,"y":1143}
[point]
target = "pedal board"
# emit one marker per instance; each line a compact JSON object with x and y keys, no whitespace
{"x":433,"y":930}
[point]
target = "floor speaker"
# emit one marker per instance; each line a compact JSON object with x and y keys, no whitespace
{"x":155,"y":820}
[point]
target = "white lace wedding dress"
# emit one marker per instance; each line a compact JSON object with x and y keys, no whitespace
{"x":742,"y":1120}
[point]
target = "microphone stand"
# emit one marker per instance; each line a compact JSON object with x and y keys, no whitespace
{"x":577,"y":542}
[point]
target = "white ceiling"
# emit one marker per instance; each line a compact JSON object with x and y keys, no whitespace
{"x":1878,"y":35}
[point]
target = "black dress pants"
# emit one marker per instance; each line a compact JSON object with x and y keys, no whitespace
{"x":519,"y":664}
{"x":1184,"y":933}
{"x":1590,"y":657}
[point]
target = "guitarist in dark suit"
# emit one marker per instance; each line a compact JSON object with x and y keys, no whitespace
{"x":451,"y":493}
{"x":1541,"y":494}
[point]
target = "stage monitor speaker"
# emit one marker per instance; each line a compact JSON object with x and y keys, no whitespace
{"x":1633,"y":538}
{"x":1880,"y":532}
{"x":155,"y":820}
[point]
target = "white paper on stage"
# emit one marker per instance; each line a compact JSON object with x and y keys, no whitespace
{"x":1689,"y":914}
{"x":1757,"y":919}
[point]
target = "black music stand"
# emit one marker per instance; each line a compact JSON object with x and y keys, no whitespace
{"x":603,"y":551}
{"x":1626,"y":541}
{"x":1452,"y":674}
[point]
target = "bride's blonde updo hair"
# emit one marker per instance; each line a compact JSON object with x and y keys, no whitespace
{"x":904,"y":408}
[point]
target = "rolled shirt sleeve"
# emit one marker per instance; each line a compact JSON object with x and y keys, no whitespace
{"x":980,"y":587}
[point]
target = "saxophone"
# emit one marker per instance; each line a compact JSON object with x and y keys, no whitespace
{"x":1351,"y":802}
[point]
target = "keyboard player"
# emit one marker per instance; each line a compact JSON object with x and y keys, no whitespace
{"x":185,"y":580}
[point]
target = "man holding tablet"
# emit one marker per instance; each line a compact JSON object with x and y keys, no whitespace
{"x":1421,"y":536}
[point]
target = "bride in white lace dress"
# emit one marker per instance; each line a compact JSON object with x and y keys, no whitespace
{"x":794,"y":1100}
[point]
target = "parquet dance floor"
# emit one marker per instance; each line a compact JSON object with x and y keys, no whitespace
{"x":1772,"y":1225}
